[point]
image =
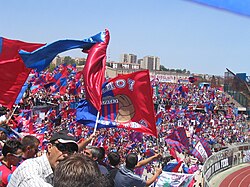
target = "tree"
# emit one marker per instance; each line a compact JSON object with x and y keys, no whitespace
{"x":68,"y":60}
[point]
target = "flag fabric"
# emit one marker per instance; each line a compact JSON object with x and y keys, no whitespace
{"x":159,"y":118}
{"x":172,"y":179}
{"x":149,"y":153}
{"x":172,"y":166}
{"x":192,"y":79}
{"x":175,"y":145}
{"x":180,"y":135}
{"x":61,"y":81}
{"x":23,"y":90}
{"x":139,"y":170}
{"x":126,"y":103}
{"x":235,"y":6}
{"x":198,"y":128}
{"x":42,"y":57}
{"x":201,"y":150}
{"x":94,"y":70}
{"x":12,"y":69}
{"x":172,"y":152}
{"x":136,"y":137}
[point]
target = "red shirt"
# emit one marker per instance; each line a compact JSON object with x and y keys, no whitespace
{"x":5,"y":174}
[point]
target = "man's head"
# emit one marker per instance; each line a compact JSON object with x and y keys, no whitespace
{"x":4,"y":131}
{"x":77,"y":170}
{"x":114,"y":158}
{"x":61,"y":145}
{"x":12,"y":152}
{"x":131,"y":160}
{"x":30,"y":146}
{"x":92,"y":152}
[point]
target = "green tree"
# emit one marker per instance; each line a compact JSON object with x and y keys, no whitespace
{"x":68,"y":60}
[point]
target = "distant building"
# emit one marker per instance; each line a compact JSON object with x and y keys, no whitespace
{"x":57,"y":60}
{"x":124,"y":65}
{"x":150,"y":62}
{"x":128,"y":58}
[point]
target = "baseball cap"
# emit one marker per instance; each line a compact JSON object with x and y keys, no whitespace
{"x":64,"y":137}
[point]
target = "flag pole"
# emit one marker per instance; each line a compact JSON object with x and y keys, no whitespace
{"x":11,"y":114}
{"x":97,"y":117}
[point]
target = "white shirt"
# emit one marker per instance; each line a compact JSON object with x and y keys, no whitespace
{"x":34,"y":172}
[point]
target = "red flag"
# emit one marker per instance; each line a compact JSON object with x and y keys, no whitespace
{"x":127,"y":103}
{"x":135,"y":110}
{"x":12,"y":69}
{"x":94,"y":70}
{"x":173,"y":153}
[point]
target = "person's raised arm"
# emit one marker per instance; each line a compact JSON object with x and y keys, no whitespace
{"x":83,"y":144}
{"x":158,"y":171}
{"x":147,"y":160}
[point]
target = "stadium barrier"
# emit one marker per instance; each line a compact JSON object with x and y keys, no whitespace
{"x":223,"y":160}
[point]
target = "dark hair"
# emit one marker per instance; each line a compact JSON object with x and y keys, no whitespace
{"x":131,"y":160}
{"x":11,"y":146}
{"x":102,"y":153}
{"x":29,"y":140}
{"x":114,"y":158}
{"x":78,"y":171}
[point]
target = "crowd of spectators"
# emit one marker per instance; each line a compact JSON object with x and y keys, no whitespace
{"x":206,"y":112}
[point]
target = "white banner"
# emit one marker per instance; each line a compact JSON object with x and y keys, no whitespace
{"x":199,"y":147}
{"x":171,"y":179}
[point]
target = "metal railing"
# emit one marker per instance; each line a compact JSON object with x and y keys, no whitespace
{"x":224,"y":160}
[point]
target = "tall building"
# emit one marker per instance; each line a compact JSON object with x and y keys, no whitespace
{"x":150,"y":62}
{"x":128,"y":58}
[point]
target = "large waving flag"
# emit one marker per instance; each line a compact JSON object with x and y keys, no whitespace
{"x":17,"y":58}
{"x":126,"y":103}
{"x":94,"y":71}
{"x":42,"y":57}
{"x":12,"y":69}
{"x":236,"y":6}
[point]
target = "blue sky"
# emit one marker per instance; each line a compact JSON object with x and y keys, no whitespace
{"x":183,"y":34}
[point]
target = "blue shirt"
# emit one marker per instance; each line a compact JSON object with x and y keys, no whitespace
{"x":127,"y":178}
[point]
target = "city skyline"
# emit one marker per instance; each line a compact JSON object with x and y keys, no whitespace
{"x":183,"y":34}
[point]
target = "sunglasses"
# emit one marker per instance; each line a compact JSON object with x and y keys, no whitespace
{"x":17,"y":156}
{"x":70,"y":148}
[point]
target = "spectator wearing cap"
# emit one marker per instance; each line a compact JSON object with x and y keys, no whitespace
{"x":12,"y":152}
{"x":126,"y":177}
{"x":39,"y":171}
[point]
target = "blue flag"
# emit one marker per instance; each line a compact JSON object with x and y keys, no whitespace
{"x":42,"y":57}
{"x":235,"y":6}
{"x":86,"y":114}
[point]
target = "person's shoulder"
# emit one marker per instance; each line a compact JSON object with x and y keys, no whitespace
{"x":103,"y":169}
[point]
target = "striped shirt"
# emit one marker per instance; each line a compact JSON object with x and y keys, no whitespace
{"x":33,"y":172}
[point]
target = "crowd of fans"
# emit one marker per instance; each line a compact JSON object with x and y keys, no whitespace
{"x":108,"y":157}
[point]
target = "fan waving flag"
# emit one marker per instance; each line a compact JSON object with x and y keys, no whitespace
{"x":12,"y":69}
{"x":126,"y":103}
{"x":94,"y":71}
